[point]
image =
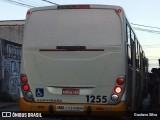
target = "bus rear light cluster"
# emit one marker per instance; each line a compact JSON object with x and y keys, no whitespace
{"x":25,"y":88}
{"x":118,"y":89}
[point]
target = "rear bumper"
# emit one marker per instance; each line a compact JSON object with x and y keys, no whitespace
{"x":89,"y":109}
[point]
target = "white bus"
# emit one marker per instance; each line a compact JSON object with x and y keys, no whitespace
{"x":81,"y":59}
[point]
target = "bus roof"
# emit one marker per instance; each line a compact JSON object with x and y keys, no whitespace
{"x":79,"y":6}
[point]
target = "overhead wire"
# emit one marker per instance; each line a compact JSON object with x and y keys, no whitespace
{"x":146,"y":30}
{"x":18,"y":3}
{"x":145,"y":26}
{"x":50,"y":2}
{"x":152,"y":30}
{"x":30,"y":2}
{"x":152,"y":45}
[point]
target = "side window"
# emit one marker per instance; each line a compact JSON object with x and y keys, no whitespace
{"x":145,"y":64}
{"x":128,"y":34}
{"x":132,"y":41}
{"x":141,"y":57}
{"x":128,"y":30}
{"x":137,"y":55}
{"x":129,"y":56}
{"x":132,"y":35}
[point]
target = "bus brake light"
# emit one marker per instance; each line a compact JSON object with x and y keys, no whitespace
{"x":117,"y":89}
{"x":25,"y":87}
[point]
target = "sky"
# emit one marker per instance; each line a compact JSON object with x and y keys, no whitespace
{"x":142,"y":12}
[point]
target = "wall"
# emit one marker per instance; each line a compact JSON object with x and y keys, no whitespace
{"x":10,"y":59}
{"x":11,"y":35}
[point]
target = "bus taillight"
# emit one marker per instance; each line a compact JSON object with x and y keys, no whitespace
{"x":27,"y":94}
{"x":24,"y":79}
{"x":25,"y":87}
{"x":117,"y":89}
{"x":120,"y":81}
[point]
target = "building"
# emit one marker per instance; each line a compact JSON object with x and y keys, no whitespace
{"x":11,"y":35}
{"x":12,"y":30}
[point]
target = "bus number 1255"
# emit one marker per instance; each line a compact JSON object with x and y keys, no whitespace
{"x":96,"y":99}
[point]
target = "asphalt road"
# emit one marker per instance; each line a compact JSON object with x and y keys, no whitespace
{"x":14,"y":108}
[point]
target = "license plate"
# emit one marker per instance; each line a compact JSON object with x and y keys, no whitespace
{"x":69,"y":108}
{"x":70,"y":91}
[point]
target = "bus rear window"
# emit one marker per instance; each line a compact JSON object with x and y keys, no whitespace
{"x":73,"y":27}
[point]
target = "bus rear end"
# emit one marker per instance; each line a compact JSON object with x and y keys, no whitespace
{"x":73,"y":60}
